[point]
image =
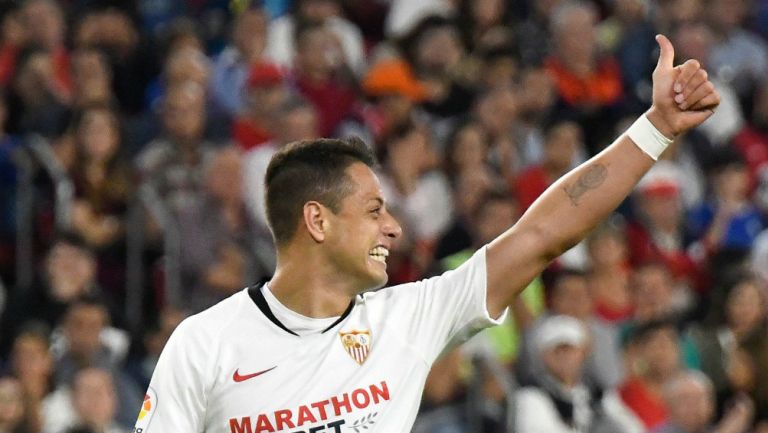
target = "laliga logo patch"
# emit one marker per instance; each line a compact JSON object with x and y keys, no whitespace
{"x":147,"y":410}
{"x":357,"y":344}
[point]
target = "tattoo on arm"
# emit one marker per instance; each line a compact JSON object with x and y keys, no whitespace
{"x":593,"y":177}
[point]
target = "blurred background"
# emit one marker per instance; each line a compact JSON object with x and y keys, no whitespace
{"x":134,"y":136}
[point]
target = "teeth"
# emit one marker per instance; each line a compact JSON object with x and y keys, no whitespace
{"x":379,"y":254}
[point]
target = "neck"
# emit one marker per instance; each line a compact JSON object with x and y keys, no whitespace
{"x":310,"y":286}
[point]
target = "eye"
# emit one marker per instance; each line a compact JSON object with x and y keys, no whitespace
{"x":376,"y":212}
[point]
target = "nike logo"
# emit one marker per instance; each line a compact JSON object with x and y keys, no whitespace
{"x":237,"y":377}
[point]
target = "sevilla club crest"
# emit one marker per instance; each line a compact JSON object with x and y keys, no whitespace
{"x":357,"y":344}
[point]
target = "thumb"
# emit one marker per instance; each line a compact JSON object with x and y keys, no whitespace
{"x":666,"y":54}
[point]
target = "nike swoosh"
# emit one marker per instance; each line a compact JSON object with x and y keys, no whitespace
{"x":237,"y":377}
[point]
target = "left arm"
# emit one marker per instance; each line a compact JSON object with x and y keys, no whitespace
{"x":572,"y":206}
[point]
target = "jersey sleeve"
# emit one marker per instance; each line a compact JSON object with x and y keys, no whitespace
{"x":444,"y":310}
{"x":176,"y":398}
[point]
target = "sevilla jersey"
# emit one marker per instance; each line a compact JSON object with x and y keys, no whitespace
{"x":236,"y":368}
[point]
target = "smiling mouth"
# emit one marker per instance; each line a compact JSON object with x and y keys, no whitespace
{"x":379,"y":254}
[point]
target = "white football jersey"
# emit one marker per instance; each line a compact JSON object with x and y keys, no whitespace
{"x":235,"y":368}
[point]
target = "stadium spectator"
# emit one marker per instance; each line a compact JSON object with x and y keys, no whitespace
{"x":32,"y":364}
{"x":728,"y":220}
{"x":281,"y":46}
{"x":570,"y":296}
{"x":91,"y":79}
{"x":295,"y":119}
{"x":231,"y":67}
{"x":657,"y":231}
{"x":740,"y":337}
{"x":219,"y":238}
{"x":69,"y":272}
{"x":560,"y":399}
{"x":609,"y":272}
{"x":172,"y":164}
{"x":103,"y":184}
{"x":414,"y":188}
{"x":690,"y":398}
{"x":265,"y":91}
{"x":654,"y":357}
{"x":94,"y":399}
{"x":738,"y":57}
{"x":11,"y":406}
{"x":589,"y":86}
{"x":87,"y":341}
{"x":320,"y":76}
{"x":562,"y":145}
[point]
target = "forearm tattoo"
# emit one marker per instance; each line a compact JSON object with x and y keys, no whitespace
{"x":593,"y":177}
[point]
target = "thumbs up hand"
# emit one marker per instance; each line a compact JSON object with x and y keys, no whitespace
{"x":683,"y":97}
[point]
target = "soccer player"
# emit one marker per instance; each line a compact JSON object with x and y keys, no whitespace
{"x":315,"y":350}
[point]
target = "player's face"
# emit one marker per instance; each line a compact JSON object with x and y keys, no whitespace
{"x":363,"y":231}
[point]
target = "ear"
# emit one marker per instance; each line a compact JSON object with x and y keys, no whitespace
{"x":315,"y":220}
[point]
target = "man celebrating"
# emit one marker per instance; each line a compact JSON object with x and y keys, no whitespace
{"x":314,"y":350}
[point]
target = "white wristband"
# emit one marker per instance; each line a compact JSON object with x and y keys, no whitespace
{"x":648,"y":138}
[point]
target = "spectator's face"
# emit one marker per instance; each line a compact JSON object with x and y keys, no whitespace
{"x":318,"y":51}
{"x":360,"y":226}
{"x":661,"y":353}
{"x":396,"y":108}
{"x":98,"y":135}
{"x":264,"y":101}
{"x":250,"y":34}
{"x":498,"y":110}
{"x":608,"y":249}
{"x":727,"y":14}
{"x":224,"y":178}
{"x":653,"y":292}
{"x":318,"y":10}
{"x":94,"y":398}
{"x":565,"y":362}
{"x":11,"y":404}
{"x":31,"y":358}
{"x":470,"y":149}
{"x":537,"y":93}
{"x":298,"y":124}
{"x":33,"y":80}
{"x":561,"y":145}
{"x":732,"y":184}
{"x":694,"y":41}
{"x":44,"y":22}
{"x":412,"y":153}
{"x":745,"y":308}
{"x":571,"y":297}
{"x":188,"y":64}
{"x":662,"y":211}
{"x":470,"y":188}
{"x":438,"y":51}
{"x":690,"y":406}
{"x":91,"y":77}
{"x":499,"y":71}
{"x":575,"y":38}
{"x":82,"y":326}
{"x":71,"y":271}
{"x":494,"y":218}
{"x":184,"y":112}
{"x":486,"y":13}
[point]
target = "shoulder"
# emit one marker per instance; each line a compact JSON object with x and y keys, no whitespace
{"x":208,"y":324}
{"x":533,"y":400}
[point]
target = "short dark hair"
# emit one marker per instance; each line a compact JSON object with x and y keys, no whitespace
{"x":310,"y":170}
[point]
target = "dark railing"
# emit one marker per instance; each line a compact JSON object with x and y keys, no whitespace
{"x":36,"y":153}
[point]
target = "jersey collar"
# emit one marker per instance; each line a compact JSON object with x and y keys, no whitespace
{"x":258,"y":298}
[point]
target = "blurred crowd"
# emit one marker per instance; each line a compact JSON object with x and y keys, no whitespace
{"x":134,"y":136}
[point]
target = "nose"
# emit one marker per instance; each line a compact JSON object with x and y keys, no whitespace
{"x":391,"y":227}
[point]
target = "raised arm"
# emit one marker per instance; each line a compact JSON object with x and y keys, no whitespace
{"x":682,"y":99}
